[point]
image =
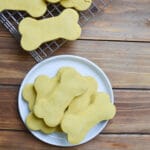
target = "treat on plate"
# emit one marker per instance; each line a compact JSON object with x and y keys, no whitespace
{"x":77,"y":4}
{"x":29,"y":95}
{"x":32,"y":122}
{"x":35,"y":32}
{"x":44,"y":87}
{"x":38,"y":124}
{"x":80,"y":103}
{"x":35,"y":8}
{"x":77,"y":125}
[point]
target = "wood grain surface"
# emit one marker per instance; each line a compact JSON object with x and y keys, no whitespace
{"x":125,"y":20}
{"x":118,"y":41}
{"x":102,"y":142}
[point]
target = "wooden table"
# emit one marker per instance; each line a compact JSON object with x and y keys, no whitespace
{"x":119,"y":42}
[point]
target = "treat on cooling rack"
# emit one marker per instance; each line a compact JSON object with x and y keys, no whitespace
{"x":32,"y":122}
{"x":35,"y":32}
{"x":35,"y":8}
{"x":77,"y":4}
{"x":52,"y":108}
{"x":77,"y":125}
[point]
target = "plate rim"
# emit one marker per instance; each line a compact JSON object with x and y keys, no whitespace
{"x":58,"y":57}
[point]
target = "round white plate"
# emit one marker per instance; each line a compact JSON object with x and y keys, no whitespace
{"x":49,"y":67}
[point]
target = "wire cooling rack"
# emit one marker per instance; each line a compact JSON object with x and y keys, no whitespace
{"x":11,"y":19}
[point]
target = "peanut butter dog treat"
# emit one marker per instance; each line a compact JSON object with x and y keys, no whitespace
{"x":52,"y":108}
{"x":29,"y":95}
{"x":77,"y":125}
{"x":44,"y":86}
{"x":77,"y":4}
{"x":35,"y":32}
{"x":32,"y":121}
{"x":80,"y":103}
{"x":35,"y":123}
{"x":35,"y":8}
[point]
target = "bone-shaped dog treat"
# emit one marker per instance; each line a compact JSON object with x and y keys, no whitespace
{"x":32,"y":121}
{"x":77,"y":125}
{"x":71,"y":84}
{"x":29,"y":95}
{"x":80,"y":103}
{"x":77,"y":4}
{"x":44,"y":86}
{"x":35,"y":123}
{"x":35,"y":8}
{"x":35,"y":32}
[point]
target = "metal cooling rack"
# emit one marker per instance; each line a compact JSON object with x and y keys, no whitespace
{"x":11,"y":19}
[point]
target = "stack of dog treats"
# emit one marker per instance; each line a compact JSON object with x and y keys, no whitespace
{"x":67,"y":102}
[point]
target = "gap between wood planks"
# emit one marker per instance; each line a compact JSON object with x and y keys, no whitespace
{"x":102,"y":133}
{"x":108,"y":40}
{"x":133,"y":89}
{"x":103,"y":40}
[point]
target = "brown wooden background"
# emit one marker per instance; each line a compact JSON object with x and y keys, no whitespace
{"x":119,"y":42}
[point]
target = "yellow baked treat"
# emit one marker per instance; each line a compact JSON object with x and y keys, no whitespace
{"x":52,"y":108}
{"x":80,"y":103}
{"x":35,"y":32}
{"x":35,"y":123}
{"x":29,"y":95}
{"x":77,"y":4}
{"x":78,"y":124}
{"x":44,"y":86}
{"x":35,"y":8}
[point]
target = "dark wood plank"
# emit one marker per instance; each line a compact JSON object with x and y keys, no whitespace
{"x":126,"y":63}
{"x":4,"y":32}
{"x":14,"y":62}
{"x":122,"y":20}
{"x":9,"y":115}
{"x":133,"y":111}
{"x":23,"y":140}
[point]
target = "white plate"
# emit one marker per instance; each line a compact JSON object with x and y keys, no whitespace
{"x":50,"y":67}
